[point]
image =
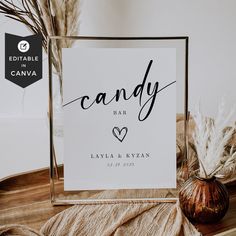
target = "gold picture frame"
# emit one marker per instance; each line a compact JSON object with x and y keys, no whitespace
{"x":58,"y":195}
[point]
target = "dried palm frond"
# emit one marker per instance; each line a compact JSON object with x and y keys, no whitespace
{"x":210,"y":138}
{"x":48,"y":18}
{"x":227,"y":167}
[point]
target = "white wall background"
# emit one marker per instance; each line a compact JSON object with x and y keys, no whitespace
{"x":210,"y":24}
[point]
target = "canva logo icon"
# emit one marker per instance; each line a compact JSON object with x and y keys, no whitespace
{"x":23,"y":46}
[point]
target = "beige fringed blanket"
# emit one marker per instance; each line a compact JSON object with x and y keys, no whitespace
{"x":147,"y":219}
{"x":113,"y":219}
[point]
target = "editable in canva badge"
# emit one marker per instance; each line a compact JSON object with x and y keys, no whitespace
{"x":23,"y":59}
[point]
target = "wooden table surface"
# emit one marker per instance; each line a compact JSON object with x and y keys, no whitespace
{"x":24,"y":199}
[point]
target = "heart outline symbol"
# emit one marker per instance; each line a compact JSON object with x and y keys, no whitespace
{"x":117,"y":132}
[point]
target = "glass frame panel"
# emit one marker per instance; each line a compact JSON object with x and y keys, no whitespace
{"x":58,"y":195}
